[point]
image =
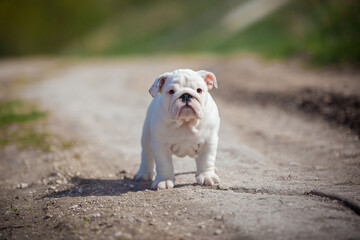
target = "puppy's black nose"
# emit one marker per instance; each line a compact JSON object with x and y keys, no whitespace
{"x":186,"y":97}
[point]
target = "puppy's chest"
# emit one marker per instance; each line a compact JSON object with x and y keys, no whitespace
{"x":186,"y":149}
{"x":186,"y":145}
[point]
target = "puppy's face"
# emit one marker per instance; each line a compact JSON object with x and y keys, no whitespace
{"x":184,"y":92}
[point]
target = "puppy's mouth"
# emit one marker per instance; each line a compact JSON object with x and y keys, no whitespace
{"x":187,"y":111}
{"x":185,"y":107}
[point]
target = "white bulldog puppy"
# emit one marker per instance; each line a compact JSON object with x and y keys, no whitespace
{"x":182,"y":120}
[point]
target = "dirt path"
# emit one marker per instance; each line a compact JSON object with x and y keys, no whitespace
{"x":270,"y":157}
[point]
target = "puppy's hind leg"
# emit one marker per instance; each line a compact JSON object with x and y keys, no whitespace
{"x":147,"y":167}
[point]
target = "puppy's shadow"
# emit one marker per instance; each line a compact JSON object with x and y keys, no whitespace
{"x":99,"y":187}
{"x":103,"y":187}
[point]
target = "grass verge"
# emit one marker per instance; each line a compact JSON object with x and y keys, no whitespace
{"x":20,"y":125}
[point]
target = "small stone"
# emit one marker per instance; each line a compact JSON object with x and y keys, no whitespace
{"x":319,"y":167}
{"x":58,"y":181}
{"x":150,"y":213}
{"x":202,"y":226}
{"x":169,"y":223}
{"x":218,"y":217}
{"x":45,"y":181}
{"x":51,"y":178}
{"x":47,"y":216}
{"x":131,"y":186}
{"x":166,"y":213}
{"x":74,"y":206}
{"x":122,"y":235}
{"x":51,"y":187}
{"x":96,"y":215}
{"x":22,"y":185}
{"x":218,"y":232}
{"x":221,"y":187}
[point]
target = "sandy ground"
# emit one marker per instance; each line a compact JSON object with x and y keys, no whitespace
{"x":269,"y":160}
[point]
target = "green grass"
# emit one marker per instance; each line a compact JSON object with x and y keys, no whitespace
{"x":320,"y":32}
{"x":147,"y":28}
{"x":18,"y":125}
{"x":16,"y":111}
{"x":324,"y":33}
{"x":268,"y":37}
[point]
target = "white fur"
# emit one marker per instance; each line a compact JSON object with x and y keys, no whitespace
{"x":172,"y":129}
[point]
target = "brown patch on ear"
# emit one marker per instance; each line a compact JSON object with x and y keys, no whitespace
{"x":161,"y":83}
{"x":209,"y":79}
{"x":158,"y":84}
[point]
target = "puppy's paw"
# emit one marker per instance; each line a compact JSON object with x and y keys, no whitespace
{"x":165,"y":184}
{"x":144,"y":176}
{"x":207,"y":178}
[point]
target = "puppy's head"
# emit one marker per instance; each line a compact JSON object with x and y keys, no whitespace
{"x":184,"y":92}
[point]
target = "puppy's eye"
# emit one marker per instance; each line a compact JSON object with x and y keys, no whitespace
{"x":171,"y":92}
{"x":199,"y":90}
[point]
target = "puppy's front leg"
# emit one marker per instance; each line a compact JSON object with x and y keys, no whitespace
{"x":205,"y":164}
{"x":146,"y":170}
{"x":165,"y":177}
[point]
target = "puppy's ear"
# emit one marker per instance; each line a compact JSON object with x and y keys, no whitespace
{"x":209,"y":79}
{"x":157,"y":85}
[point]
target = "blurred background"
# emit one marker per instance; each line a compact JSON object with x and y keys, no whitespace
{"x":74,"y":80}
{"x":321,"y":33}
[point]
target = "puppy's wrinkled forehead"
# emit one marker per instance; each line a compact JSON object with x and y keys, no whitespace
{"x":185,"y":78}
